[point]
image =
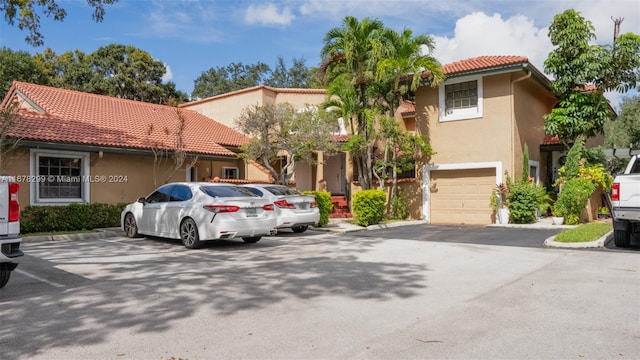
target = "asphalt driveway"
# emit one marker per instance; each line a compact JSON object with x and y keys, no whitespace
{"x":374,"y":295}
{"x":478,"y":235}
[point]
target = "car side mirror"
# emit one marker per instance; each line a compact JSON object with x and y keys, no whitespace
{"x":142,"y":200}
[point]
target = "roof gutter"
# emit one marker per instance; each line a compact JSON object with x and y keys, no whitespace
{"x":106,"y":149}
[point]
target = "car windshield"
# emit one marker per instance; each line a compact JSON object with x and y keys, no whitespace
{"x":226,"y":191}
{"x":281,"y":190}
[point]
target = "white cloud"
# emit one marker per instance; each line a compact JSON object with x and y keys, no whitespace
{"x":168,"y":75}
{"x":479,"y":34}
{"x":268,"y":14}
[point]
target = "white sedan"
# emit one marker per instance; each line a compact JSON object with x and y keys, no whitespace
{"x":197,"y":212}
{"x":293,"y":209}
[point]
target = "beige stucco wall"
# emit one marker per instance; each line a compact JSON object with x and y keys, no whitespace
{"x":126,"y":177}
{"x":226,"y":109}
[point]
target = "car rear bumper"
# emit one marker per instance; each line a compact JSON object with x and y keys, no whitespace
{"x":257,"y":227}
{"x":290,"y":219}
{"x":10,"y":249}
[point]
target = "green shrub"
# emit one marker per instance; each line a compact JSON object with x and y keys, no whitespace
{"x":399,"y":209}
{"x":572,"y":199}
{"x":368,"y":206}
{"x":525,"y":198}
{"x":72,"y":217}
{"x":323,"y":199}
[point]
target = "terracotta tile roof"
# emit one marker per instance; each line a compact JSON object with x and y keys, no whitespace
{"x":82,"y":118}
{"x":408,"y":108}
{"x":256,"y":88}
{"x":340,"y":138}
{"x":482,"y":63}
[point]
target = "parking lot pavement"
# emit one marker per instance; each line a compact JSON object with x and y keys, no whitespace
{"x":316,"y":296}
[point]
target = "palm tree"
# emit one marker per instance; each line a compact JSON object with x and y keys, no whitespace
{"x":350,"y":54}
{"x":407,"y":63}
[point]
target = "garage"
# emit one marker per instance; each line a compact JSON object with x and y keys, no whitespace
{"x":461,"y":196}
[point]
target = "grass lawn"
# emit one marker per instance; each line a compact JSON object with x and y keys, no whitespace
{"x":585,"y":232}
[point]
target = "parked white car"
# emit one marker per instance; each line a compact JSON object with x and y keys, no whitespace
{"x":197,"y":212}
{"x":10,"y":238}
{"x":293,"y":209}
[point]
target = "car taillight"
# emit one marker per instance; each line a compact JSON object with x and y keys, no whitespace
{"x":615,"y":192}
{"x":268,"y":207}
{"x":221,"y":208}
{"x":313,"y":204}
{"x":14,"y":205}
{"x":284,"y":204}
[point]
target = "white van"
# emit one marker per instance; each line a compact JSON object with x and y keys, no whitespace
{"x":9,"y":227}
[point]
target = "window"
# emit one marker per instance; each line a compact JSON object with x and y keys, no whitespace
{"x":229,"y":172}
{"x":181,"y":193}
{"x":461,"y":99}
{"x":226,"y":191}
{"x":59,"y":177}
{"x":461,"y":95}
{"x":163,"y":194}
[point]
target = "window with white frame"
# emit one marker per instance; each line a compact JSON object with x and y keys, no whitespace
{"x":59,"y":177}
{"x":461,"y":99}
{"x":230,"y":172}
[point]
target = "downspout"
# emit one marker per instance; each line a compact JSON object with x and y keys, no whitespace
{"x":513,"y":119}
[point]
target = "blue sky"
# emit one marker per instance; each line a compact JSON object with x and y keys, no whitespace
{"x":192,"y":36}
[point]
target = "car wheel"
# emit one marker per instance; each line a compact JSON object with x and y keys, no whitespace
{"x":252,"y":239}
{"x":4,"y":276}
{"x":300,"y":229}
{"x":189,"y":234}
{"x":130,"y":226}
{"x":622,"y":238}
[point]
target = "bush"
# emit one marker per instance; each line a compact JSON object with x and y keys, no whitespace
{"x":323,"y":199}
{"x":572,"y":199}
{"x":72,"y":217}
{"x":368,"y":206}
{"x":399,"y":209}
{"x":525,"y":198}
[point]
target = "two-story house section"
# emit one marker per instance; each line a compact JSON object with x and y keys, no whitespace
{"x":478,"y":122}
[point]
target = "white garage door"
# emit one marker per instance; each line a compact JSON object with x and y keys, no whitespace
{"x":461,"y":196}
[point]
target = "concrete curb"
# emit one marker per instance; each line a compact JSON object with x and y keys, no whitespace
{"x":601,"y":242}
{"x":94,"y":235}
{"x":341,"y":227}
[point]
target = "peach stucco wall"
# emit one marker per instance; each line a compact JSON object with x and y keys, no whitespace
{"x":127,"y":176}
{"x":227,"y":109}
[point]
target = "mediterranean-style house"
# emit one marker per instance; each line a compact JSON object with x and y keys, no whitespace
{"x":74,"y":147}
{"x":478,"y":122}
{"x":329,"y":173}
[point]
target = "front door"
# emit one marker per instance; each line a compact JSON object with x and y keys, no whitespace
{"x":334,"y":173}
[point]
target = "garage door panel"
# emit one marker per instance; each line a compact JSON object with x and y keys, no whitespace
{"x":461,"y":196}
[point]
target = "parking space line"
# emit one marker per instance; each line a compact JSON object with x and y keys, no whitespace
{"x":35,"y":277}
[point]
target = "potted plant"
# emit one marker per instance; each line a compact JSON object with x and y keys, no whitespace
{"x":502,"y":195}
{"x":558,"y":211}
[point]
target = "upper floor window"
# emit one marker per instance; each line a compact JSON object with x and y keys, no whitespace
{"x":461,"y":98}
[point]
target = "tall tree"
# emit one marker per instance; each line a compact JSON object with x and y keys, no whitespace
{"x":624,"y":131}
{"x":583,"y":72}
{"x":409,"y":57}
{"x":280,"y":132}
{"x":298,"y":76}
{"x":235,"y":76}
{"x":21,"y":66}
{"x":351,"y":52}
{"x":26,"y":14}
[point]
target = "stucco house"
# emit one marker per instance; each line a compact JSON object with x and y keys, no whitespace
{"x":75,"y":147}
{"x":329,"y":173}
{"x":478,"y":122}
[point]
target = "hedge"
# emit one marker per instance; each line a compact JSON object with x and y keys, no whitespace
{"x":34,"y":219}
{"x":368,"y":206}
{"x":323,"y":200}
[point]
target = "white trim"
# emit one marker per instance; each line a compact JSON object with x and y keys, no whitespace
{"x":460,"y":114}
{"x":426,"y":179}
{"x":536,"y":164}
{"x":34,"y":198}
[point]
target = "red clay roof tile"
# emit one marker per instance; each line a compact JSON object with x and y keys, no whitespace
{"x":482,"y":62}
{"x":82,"y":118}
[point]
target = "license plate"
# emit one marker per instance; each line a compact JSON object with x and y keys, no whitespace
{"x":303,"y":206}
{"x":251,"y":212}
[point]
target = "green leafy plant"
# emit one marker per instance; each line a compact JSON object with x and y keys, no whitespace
{"x":368,"y":206}
{"x":525,"y":198}
{"x":323,"y":200}
{"x":36,"y":219}
{"x":399,"y":209}
{"x":572,"y":199}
